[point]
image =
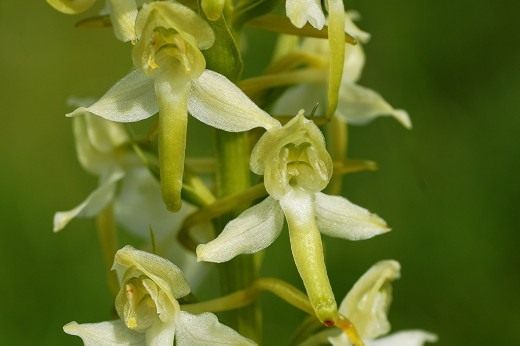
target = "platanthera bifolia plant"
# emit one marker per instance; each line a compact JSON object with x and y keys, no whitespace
{"x":280,"y":156}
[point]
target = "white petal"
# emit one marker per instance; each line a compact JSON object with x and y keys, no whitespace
{"x":161,"y":334}
{"x":367,"y":303}
{"x":123,"y":14}
{"x":131,"y":99}
{"x":218,"y":102}
{"x":138,"y":206}
{"x":105,"y":334}
{"x":405,"y":338}
{"x":359,"y":105}
{"x":337,"y":217}
{"x":205,"y":330}
{"x":303,"y":96}
{"x":302,"y":11}
{"x":92,"y":205}
{"x":253,"y":230}
{"x":353,"y":30}
{"x":354,"y":63}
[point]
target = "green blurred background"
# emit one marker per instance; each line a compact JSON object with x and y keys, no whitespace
{"x":448,"y":188}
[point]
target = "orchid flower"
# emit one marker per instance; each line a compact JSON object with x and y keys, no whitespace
{"x":127,"y":184}
{"x":149,"y":311}
{"x":122,"y":14}
{"x":296,"y":167}
{"x":366,"y":305}
{"x":170,"y":77}
{"x":357,"y":105}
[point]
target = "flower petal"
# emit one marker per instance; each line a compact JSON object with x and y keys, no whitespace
{"x":92,"y":205}
{"x":359,"y":105}
{"x":405,"y":338}
{"x":303,"y":96}
{"x":161,"y":334}
{"x":138,"y":206}
{"x":354,"y":63}
{"x":337,"y":217}
{"x":352,"y":29}
{"x":205,"y":330}
{"x":367,"y":303}
{"x":163,"y":272}
{"x":131,"y":99}
{"x":321,"y":338}
{"x":123,"y":14}
{"x":71,"y":6}
{"x":253,"y":230}
{"x":218,"y":102}
{"x":302,"y":11}
{"x":110,"y":333}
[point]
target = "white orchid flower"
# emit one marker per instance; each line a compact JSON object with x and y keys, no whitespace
{"x":296,"y":167}
{"x":357,"y":105}
{"x":366,"y":305}
{"x":170,"y":77}
{"x":125,"y":182}
{"x":122,"y":14}
{"x":149,"y":311}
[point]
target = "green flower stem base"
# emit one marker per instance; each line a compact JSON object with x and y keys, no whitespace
{"x":232,"y":177}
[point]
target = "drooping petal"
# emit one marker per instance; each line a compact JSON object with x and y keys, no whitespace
{"x":307,"y":250}
{"x":337,"y":52}
{"x":253,"y":230}
{"x":123,"y":14}
{"x":173,"y":126}
{"x":129,"y":100}
{"x":112,"y":333}
{"x":71,"y":6}
{"x":161,"y":334}
{"x":93,"y":204}
{"x":367,"y":303}
{"x":302,"y":11}
{"x":337,"y":217}
{"x":165,"y":274}
{"x":205,"y":330}
{"x":218,"y":102}
{"x":405,"y":338}
{"x":359,"y":105}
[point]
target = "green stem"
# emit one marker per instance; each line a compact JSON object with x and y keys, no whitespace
{"x":233,"y":176}
{"x":107,"y":235}
{"x":338,"y":141}
{"x":244,"y":297}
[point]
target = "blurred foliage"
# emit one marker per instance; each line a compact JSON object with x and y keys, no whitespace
{"x":448,"y":188}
